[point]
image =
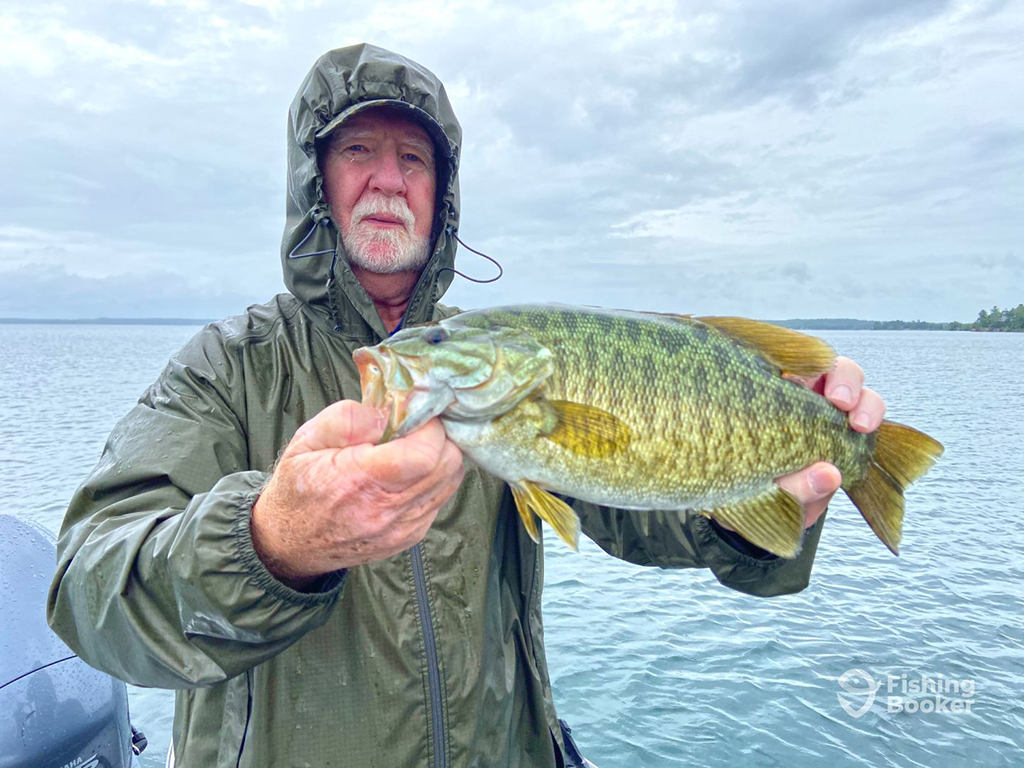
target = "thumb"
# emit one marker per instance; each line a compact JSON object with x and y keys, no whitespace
{"x":340,"y":425}
{"x":813,"y":487}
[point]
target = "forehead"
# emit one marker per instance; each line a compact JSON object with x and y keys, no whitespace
{"x":384,"y":123}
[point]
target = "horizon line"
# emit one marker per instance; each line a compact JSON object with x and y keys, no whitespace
{"x":205,"y":321}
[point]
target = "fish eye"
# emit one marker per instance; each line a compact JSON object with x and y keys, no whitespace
{"x":435,"y":336}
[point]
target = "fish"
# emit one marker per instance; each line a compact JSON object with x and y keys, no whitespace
{"x":641,"y":411}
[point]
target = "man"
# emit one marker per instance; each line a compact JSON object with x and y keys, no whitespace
{"x":360,"y":605}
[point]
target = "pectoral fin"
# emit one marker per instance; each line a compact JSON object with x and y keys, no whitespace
{"x":586,"y":430}
{"x":774,"y":520}
{"x":531,"y":498}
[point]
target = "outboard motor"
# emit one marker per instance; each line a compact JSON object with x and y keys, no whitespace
{"x":55,"y":711}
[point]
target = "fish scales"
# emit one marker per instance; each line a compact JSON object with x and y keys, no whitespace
{"x":711,"y":421}
{"x":641,"y":411}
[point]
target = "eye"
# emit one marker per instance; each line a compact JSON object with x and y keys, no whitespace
{"x":435,"y":335}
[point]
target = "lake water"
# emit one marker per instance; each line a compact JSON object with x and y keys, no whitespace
{"x":666,"y":668}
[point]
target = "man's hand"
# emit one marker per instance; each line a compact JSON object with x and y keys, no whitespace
{"x":336,"y":499}
{"x":844,"y":387}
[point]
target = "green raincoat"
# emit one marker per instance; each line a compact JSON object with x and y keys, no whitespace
{"x":433,"y":657}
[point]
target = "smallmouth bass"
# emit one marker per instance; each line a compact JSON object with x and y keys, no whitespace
{"x":641,"y":411}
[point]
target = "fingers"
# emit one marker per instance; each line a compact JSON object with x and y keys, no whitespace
{"x":813,"y":487}
{"x":435,"y":496}
{"x":399,"y":463}
{"x":410,"y":523}
{"x":444,"y":480}
{"x":868,"y":413}
{"x":843,"y":383}
{"x":844,"y":387}
{"x":340,"y":425}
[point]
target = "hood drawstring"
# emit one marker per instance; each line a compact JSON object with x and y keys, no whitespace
{"x":294,"y":252}
{"x":332,"y":305}
{"x":501,"y":271}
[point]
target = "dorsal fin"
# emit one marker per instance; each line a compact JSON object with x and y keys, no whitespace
{"x":794,"y":352}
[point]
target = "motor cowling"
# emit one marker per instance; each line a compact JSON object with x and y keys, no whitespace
{"x":55,"y":711}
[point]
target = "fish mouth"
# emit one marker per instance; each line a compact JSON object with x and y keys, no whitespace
{"x":389,"y":383}
{"x":385,"y":383}
{"x":371,"y":365}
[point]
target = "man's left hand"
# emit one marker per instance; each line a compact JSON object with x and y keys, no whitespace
{"x":844,"y":387}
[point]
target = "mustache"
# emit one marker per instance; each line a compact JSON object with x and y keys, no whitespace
{"x":373,"y":205}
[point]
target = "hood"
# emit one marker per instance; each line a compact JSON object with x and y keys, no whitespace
{"x":316,"y":270}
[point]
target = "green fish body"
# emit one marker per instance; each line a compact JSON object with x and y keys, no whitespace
{"x":641,"y":411}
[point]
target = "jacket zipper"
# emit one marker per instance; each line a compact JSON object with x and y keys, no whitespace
{"x":248,"y":715}
{"x":528,"y":628}
{"x":429,"y":640}
{"x":433,"y":668}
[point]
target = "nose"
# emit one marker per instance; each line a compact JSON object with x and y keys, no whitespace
{"x":387,"y":175}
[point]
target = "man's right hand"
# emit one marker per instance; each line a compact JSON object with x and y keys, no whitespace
{"x":336,"y":499}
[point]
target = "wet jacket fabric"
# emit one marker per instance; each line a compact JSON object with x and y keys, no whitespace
{"x":433,"y":657}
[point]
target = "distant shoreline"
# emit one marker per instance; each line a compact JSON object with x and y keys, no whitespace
{"x":818,"y":324}
{"x":826,"y":324}
{"x":104,"y":321}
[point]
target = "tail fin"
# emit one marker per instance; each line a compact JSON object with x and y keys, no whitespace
{"x":902,"y":455}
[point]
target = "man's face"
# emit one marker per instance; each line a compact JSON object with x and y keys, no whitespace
{"x":380,"y":182}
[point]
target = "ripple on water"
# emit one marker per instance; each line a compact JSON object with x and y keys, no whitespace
{"x":664,"y":668}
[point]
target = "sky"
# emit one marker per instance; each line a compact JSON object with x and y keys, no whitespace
{"x":853,"y":158}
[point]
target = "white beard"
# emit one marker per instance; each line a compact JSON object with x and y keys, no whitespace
{"x":385,"y":250}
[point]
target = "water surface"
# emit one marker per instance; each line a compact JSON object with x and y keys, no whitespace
{"x":666,"y":668}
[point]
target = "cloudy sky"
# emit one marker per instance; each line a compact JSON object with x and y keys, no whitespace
{"x":854,"y":158}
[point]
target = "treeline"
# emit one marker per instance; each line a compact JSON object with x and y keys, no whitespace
{"x":915,"y":325}
{"x":995,"y":319}
{"x":827,"y":324}
{"x":1001,"y":319}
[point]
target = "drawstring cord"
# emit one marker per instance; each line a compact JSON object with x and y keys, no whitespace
{"x":501,"y":271}
{"x":296,"y":255}
{"x":332,"y":306}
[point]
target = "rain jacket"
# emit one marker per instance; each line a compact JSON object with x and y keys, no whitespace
{"x":433,"y":657}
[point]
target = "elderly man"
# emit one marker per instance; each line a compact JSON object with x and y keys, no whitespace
{"x":317,"y":599}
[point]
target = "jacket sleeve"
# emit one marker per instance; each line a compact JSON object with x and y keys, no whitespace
{"x":157,"y":581}
{"x":690,"y":540}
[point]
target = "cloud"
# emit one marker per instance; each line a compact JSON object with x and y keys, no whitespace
{"x":46,"y":290}
{"x":629,"y":152}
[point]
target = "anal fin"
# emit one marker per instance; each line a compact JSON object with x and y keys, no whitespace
{"x":531,"y":498}
{"x":773,"y":520}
